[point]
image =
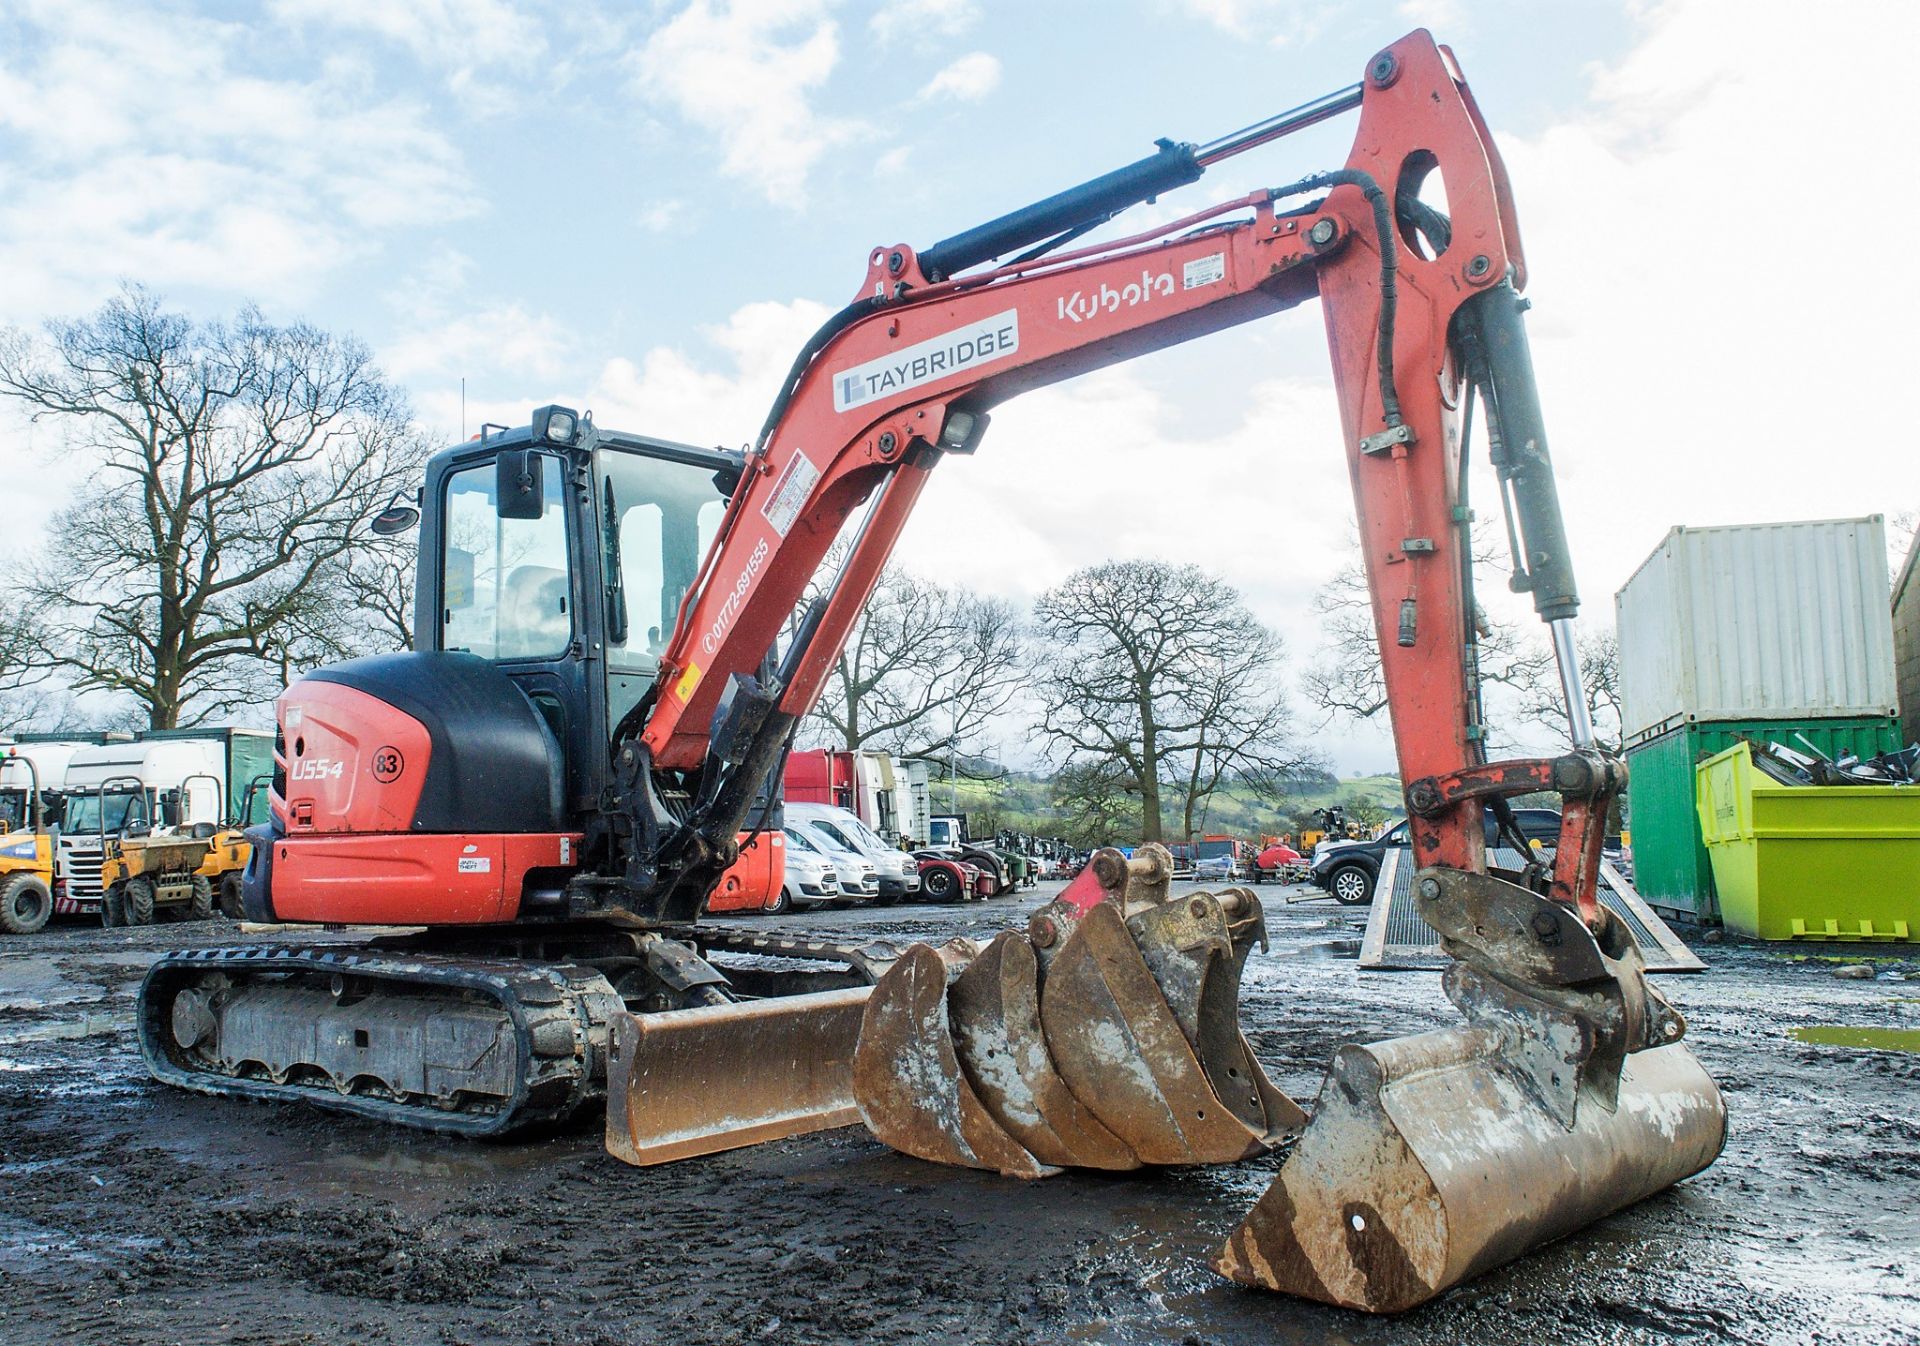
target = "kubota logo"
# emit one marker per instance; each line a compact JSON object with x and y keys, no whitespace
{"x":1082,"y":305}
{"x":731,"y":608}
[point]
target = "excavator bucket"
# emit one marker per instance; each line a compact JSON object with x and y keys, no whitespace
{"x":1430,"y":1159}
{"x":1106,"y":1037}
{"x":1428,"y":1162}
{"x":717,"y":1077}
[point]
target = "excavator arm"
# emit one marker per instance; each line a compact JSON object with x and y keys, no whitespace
{"x":1106,"y":1034}
{"x":1422,"y":314}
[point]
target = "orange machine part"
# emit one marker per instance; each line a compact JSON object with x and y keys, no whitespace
{"x":753,"y":882}
{"x":412,"y":878}
{"x":353,"y":762}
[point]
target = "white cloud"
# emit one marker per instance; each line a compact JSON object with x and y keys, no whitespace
{"x":661,"y":216}
{"x":968,"y":79}
{"x":746,"y":72}
{"x":144,"y":145}
{"x":923,"y":20}
{"x":464,"y":39}
{"x":1281,"y":22}
{"x":1715,"y":317}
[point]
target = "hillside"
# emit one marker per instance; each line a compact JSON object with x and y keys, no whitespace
{"x":1026,"y":803}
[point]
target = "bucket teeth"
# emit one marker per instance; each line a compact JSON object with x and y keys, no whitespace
{"x":1096,"y":1040}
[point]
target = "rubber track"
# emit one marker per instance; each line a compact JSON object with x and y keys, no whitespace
{"x":559,"y":1013}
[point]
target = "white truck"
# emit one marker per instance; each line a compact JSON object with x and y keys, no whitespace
{"x":163,"y":780}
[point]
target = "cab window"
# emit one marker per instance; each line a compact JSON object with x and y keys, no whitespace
{"x":660,"y":517}
{"x":504,"y":591}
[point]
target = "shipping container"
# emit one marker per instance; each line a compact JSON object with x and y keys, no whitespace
{"x":1771,"y":621}
{"x":1670,"y":864}
{"x":1906,"y":642}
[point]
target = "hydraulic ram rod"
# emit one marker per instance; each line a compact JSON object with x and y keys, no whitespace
{"x":1172,"y":165}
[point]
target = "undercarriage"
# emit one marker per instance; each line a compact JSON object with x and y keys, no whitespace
{"x":476,"y":1033}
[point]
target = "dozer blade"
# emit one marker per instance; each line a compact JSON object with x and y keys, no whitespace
{"x":697,"y":1081}
{"x":1430,"y":1159}
{"x":1101,"y":1039}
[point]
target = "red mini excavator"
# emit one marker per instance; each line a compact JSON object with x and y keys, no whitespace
{"x":544,"y":795}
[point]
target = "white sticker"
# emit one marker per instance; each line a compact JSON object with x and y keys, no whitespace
{"x":566,"y":850}
{"x":475,"y":864}
{"x":935,"y":358}
{"x":296,"y":716}
{"x":1203,"y":271}
{"x":796,"y":484}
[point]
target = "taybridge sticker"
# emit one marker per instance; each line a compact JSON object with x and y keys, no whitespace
{"x":966,"y":347}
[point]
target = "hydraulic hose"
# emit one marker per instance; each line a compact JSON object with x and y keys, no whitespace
{"x":1389,"y":268}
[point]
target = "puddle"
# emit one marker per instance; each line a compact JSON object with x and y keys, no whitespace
{"x":1874,"y":1039}
{"x":87,"y":1026}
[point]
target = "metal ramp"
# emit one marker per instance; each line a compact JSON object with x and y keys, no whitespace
{"x":1398,"y":940}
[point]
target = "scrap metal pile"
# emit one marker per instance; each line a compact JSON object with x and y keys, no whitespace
{"x":1791,"y":767}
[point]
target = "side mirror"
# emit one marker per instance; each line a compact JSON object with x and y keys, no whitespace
{"x":519,"y":492}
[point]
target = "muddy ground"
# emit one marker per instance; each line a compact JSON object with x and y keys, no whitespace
{"x":130,"y":1213}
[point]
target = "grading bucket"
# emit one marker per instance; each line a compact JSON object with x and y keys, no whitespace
{"x":1839,"y":862}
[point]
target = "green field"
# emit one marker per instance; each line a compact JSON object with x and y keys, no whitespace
{"x":1025,"y":803}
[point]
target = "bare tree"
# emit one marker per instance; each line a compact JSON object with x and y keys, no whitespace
{"x":1543,"y":703}
{"x":1345,"y":680}
{"x":237,"y":466}
{"x":1098,"y":802}
{"x":1160,"y":673}
{"x":18,"y":705}
{"x":924,"y":671}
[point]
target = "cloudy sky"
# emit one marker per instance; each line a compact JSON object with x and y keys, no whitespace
{"x":644,"y":208}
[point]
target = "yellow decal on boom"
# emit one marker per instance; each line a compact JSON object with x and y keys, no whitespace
{"x":688,"y":681}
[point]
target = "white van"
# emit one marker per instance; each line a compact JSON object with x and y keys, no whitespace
{"x":896,"y":873}
{"x":810,"y":875}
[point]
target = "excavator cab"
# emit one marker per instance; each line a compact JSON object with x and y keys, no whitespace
{"x":560,"y":553}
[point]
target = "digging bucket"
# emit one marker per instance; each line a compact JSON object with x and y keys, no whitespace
{"x":1566,"y":1096}
{"x":719,"y":1077}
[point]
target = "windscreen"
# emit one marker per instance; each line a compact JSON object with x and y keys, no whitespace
{"x":660,"y":517}
{"x":122,"y":810}
{"x":1213,"y":850}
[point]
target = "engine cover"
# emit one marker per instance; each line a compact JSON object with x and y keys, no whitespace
{"x":418,"y":742}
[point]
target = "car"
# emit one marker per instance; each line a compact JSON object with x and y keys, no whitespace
{"x":897,"y":873}
{"x":859,"y":879}
{"x":1348,"y":870}
{"x":810,"y":878}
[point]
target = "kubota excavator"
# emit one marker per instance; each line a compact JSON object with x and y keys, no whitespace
{"x":553,"y":783}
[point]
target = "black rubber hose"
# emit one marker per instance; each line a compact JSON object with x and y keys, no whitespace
{"x":1389,"y":268}
{"x":831,"y":328}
